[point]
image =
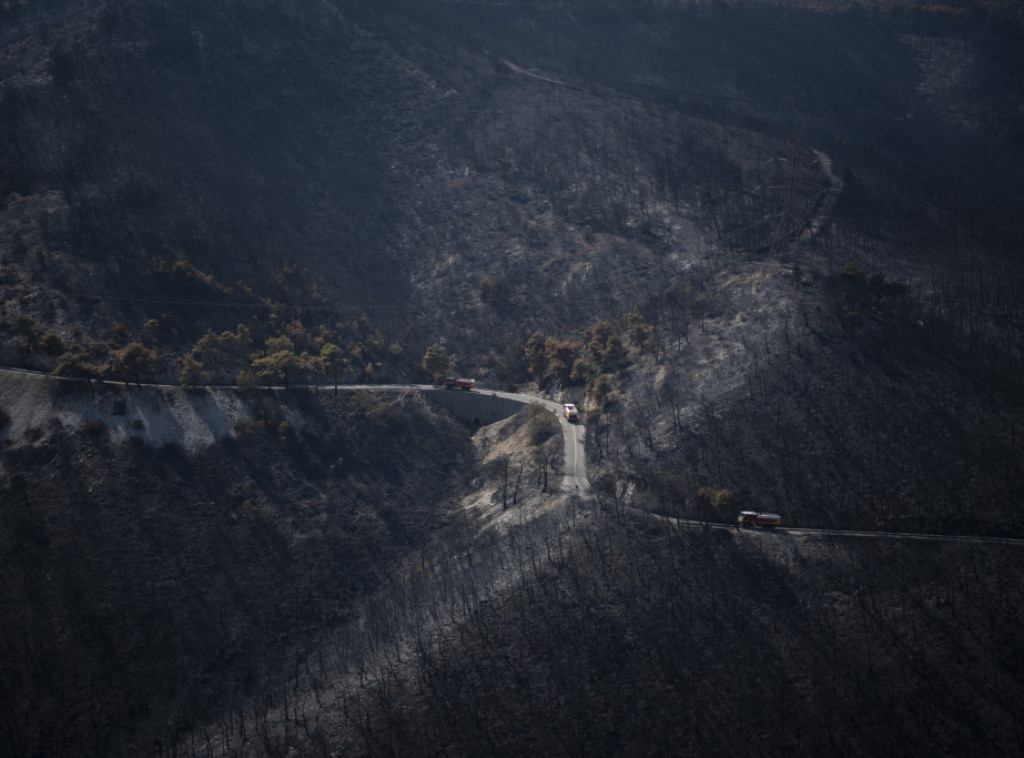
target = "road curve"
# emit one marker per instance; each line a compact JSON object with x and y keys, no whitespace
{"x":574,"y":468}
{"x":574,"y":473}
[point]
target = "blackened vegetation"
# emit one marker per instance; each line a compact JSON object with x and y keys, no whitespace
{"x":145,"y":590}
{"x":870,"y":412}
{"x":635,"y":637}
{"x":231,"y":139}
{"x":545,"y":178}
{"x":648,"y":643}
{"x":591,"y":138}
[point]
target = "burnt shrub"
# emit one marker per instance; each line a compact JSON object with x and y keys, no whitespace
{"x":95,"y":428}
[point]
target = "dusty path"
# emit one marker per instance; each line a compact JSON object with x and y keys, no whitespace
{"x":825,"y":200}
{"x":542,"y":77}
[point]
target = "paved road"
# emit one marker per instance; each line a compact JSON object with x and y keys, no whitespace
{"x":844,"y":533}
{"x":574,"y":469}
{"x":574,"y":477}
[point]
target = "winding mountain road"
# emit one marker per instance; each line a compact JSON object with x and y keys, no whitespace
{"x":574,"y":472}
{"x":574,"y":468}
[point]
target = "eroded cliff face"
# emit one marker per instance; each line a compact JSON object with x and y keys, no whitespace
{"x":192,"y":420}
{"x":166,"y":552}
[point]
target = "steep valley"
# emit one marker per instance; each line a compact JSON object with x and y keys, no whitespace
{"x":771,"y":249}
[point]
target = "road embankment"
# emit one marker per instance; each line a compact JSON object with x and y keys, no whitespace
{"x":477,"y":408}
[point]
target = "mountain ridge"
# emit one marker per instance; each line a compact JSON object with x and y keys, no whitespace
{"x":770,"y":250}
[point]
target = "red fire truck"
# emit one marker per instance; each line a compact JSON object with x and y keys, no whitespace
{"x":459,"y":383}
{"x":763,"y":520}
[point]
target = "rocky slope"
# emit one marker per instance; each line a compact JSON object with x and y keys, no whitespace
{"x":771,"y":249}
{"x":168,"y":553}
